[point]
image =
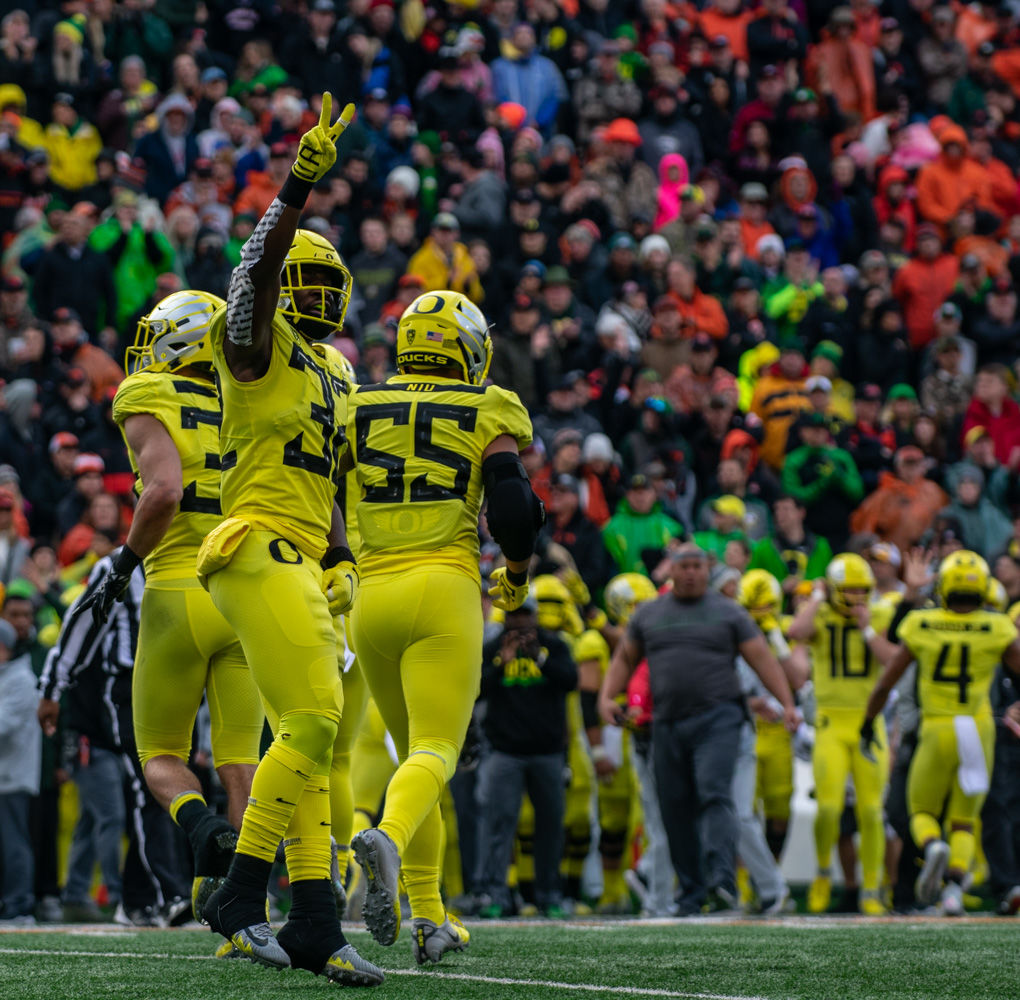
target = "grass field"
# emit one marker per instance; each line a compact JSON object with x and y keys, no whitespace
{"x":712,"y":959}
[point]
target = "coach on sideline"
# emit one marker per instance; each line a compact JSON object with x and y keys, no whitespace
{"x":692,"y":637}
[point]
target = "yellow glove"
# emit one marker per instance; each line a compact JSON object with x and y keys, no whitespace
{"x":317,"y":152}
{"x":577,"y":587}
{"x":340,"y":581}
{"x":506,"y":595}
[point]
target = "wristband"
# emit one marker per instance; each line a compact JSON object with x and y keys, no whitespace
{"x":599,"y":753}
{"x":294,"y":192}
{"x":127,"y":560}
{"x":517,"y":579}
{"x":336,"y":555}
{"x":869,"y":633}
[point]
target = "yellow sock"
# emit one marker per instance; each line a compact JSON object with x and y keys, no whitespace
{"x":872,"y":847}
{"x":182,"y":800}
{"x":413,"y":793}
{"x":924,"y":827}
{"x":307,"y":843}
{"x":826,"y":833}
{"x":961,"y":850}
{"x":419,"y":869}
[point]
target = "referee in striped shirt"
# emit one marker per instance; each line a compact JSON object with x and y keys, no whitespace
{"x":92,"y":662}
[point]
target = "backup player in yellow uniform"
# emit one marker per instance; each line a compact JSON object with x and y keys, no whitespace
{"x":957,"y":648}
{"x":845,"y":633}
{"x":278,"y":566}
{"x":428,"y":444}
{"x":169,"y":412}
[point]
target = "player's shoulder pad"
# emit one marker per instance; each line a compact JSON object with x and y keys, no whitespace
{"x":140,"y":392}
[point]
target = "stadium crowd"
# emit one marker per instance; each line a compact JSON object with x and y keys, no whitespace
{"x":751,"y":267}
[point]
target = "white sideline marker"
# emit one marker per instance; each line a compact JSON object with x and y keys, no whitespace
{"x":549,"y":984}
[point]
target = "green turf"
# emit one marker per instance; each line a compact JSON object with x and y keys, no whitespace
{"x":813,"y":960}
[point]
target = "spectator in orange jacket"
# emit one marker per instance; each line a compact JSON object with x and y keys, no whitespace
{"x":893,"y":201}
{"x":263,"y":185}
{"x":953,"y":180}
{"x":779,"y":398}
{"x":923,"y":284}
{"x":903,"y":507}
{"x":728,"y":18}
{"x":842,"y":65}
{"x":699,"y":312}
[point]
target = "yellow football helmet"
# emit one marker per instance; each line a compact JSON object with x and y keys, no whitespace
{"x":761,"y":594}
{"x":962,"y":573}
{"x":996,"y":596}
{"x":174,"y":334}
{"x":850,"y":582}
{"x":441,"y":329}
{"x":625,"y":592}
{"x":556,"y":609}
{"x":325,"y":315}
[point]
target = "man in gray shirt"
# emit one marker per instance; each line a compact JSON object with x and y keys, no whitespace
{"x":691,"y":638}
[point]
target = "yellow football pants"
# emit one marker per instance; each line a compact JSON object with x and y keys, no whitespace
{"x":423,"y":667}
{"x":932,"y":786}
{"x":837,"y":756}
{"x":270,"y":592}
{"x":774,"y":748}
{"x":186,"y":647}
{"x":616,"y":809}
{"x":577,"y":804}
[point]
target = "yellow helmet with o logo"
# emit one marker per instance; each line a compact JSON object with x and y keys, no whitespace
{"x":445,"y":329}
{"x":761,"y":594}
{"x":849,"y":572}
{"x":625,"y":592}
{"x":556,"y":609}
{"x":325,"y":315}
{"x":174,"y":334}
{"x":963,"y":574}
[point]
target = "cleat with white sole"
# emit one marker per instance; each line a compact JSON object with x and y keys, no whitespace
{"x":348,"y":968}
{"x":431,"y":941}
{"x":929,"y":882}
{"x":380,"y":864}
{"x":951,"y":901}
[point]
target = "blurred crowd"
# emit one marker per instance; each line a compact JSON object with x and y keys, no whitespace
{"x":750,"y":264}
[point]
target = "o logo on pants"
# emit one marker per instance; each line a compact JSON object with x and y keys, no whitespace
{"x":279,"y":554}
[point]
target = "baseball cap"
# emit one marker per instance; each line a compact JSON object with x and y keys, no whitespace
{"x":970,"y":262}
{"x":986,"y":49}
{"x":769,"y":72}
{"x":889,"y":24}
{"x":663,"y":303}
{"x":946,"y":344}
{"x":1002,"y":285}
{"x":909,"y":453}
{"x":65,"y":314}
{"x":830,"y":350}
{"x":975,"y":434}
{"x":214,"y":73}
{"x":533,"y":268}
{"x":869,"y":391}
{"x":446,"y":220}
{"x":569,"y":379}
{"x":754,"y":191}
{"x":901,"y":391}
{"x":639,"y":481}
{"x":731,"y":506}
{"x":702,"y":342}
{"x":522,"y":302}
{"x":558,"y":275}
{"x":818,"y":383}
{"x":872,"y":258}
{"x":967,"y":472}
{"x":410,"y":281}
{"x":744,"y":284}
{"x":622,"y":241}
{"x":12,"y":283}
{"x":278,"y":149}
{"x":885,"y":552}
{"x":565,"y":481}
{"x":88,"y":462}
{"x":816,"y":420}
{"x":927,"y":229}
{"x":948,"y":310}
{"x":63,"y":439}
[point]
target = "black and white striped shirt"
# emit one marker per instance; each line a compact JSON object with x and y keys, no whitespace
{"x":82,"y":641}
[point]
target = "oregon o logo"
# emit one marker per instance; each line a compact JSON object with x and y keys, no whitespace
{"x":280,"y":555}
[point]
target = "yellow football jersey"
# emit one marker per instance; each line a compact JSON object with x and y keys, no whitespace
{"x":591,"y":645}
{"x":282,"y":438}
{"x":189,"y":409}
{"x":418,"y":444}
{"x":843,"y":669}
{"x":956,"y":657}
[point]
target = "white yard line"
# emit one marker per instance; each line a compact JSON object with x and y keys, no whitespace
{"x":630,"y":991}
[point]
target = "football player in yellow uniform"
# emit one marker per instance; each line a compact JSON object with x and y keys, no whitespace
{"x":169,"y":412}
{"x":278,"y":567}
{"x":428,"y":445}
{"x":957,"y":648}
{"x":762,"y":595}
{"x":845,"y":634}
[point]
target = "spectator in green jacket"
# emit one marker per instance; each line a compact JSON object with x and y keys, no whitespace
{"x":791,"y":553}
{"x":825,"y":478}
{"x":636,"y":535}
{"x":137,"y":254}
{"x":728,"y":516}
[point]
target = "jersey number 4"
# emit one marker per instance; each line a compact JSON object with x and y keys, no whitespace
{"x":944,"y":673}
{"x":422,"y":489}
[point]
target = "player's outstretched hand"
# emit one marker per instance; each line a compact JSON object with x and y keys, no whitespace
{"x":317,"y":152}
{"x":506,"y":595}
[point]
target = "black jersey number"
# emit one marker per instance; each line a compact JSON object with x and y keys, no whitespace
{"x":191,"y":502}
{"x":323,"y":462}
{"x":944,"y":672}
{"x":839,"y":653}
{"x":422,"y":489}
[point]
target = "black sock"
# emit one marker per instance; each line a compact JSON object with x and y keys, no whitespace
{"x":212,"y":838}
{"x":312,"y":932}
{"x":572,"y":887}
{"x":241,"y":900}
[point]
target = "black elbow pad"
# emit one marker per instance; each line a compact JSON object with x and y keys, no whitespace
{"x":515,"y":515}
{"x":590,"y":709}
